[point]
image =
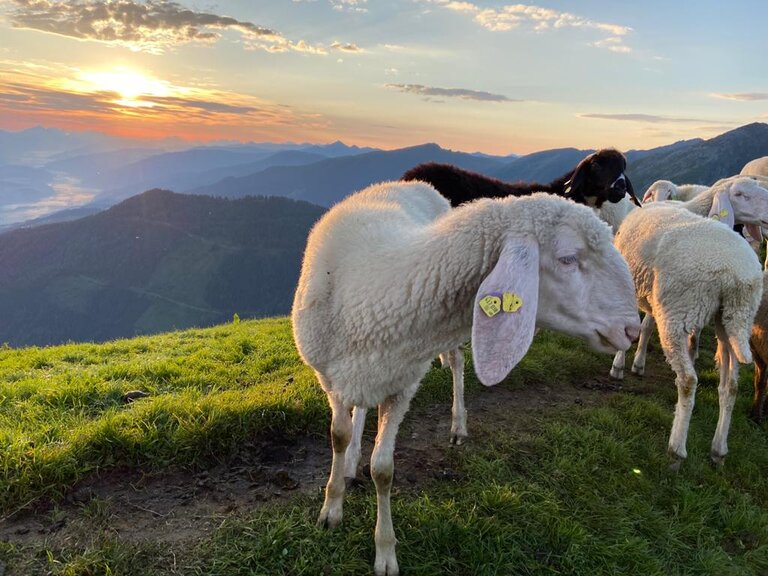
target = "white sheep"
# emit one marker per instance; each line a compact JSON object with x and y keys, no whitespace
{"x":687,"y":270}
{"x":392,"y":277}
{"x":662,"y":190}
{"x":756,"y":167}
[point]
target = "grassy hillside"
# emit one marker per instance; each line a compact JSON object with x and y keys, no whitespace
{"x":159,"y":261}
{"x":563,"y":474}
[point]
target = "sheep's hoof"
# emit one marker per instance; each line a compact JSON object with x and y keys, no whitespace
{"x":639,"y":370}
{"x":717,"y":459}
{"x":329,"y":518}
{"x":386,"y":563}
{"x":458,"y":438}
{"x":617,"y":373}
{"x":352,"y":482}
{"x":675,"y":461}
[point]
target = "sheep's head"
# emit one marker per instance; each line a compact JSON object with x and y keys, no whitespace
{"x":660,"y":191}
{"x":600,"y":177}
{"x":741,"y":200}
{"x":563,"y":273}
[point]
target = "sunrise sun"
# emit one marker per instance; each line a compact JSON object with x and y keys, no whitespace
{"x":134,"y":88}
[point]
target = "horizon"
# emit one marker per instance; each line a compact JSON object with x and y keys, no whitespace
{"x":476,"y":76}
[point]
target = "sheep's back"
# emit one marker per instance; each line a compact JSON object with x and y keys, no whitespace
{"x":353,"y":267}
{"x":672,"y":250}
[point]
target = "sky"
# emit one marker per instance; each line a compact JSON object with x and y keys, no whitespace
{"x":480,"y":75}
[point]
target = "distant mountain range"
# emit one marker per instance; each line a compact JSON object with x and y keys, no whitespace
{"x":161,"y":260}
{"x":93,"y":175}
{"x":328,"y":181}
{"x":702,"y":161}
{"x":155,"y":262}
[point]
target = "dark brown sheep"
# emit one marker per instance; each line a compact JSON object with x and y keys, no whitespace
{"x":597,"y":178}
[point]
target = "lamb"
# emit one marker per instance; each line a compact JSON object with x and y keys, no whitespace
{"x":662,"y":190}
{"x":597,"y":178}
{"x":392,"y":276}
{"x":758,"y":344}
{"x":756,"y":167}
{"x":669,"y":251}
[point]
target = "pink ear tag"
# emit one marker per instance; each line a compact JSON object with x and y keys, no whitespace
{"x":491,"y":305}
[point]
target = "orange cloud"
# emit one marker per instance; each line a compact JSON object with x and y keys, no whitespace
{"x":149,"y":108}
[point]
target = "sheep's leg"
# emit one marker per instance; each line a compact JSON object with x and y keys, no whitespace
{"x":675,"y":345}
{"x":352,"y":455}
{"x":646,"y":331}
{"x":391,"y":413}
{"x":760,"y":381}
{"x":617,"y":368}
{"x":455,"y":359}
{"x":341,"y":430}
{"x":729,"y":383}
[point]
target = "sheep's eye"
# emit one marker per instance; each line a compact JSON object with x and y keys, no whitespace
{"x":567,"y":260}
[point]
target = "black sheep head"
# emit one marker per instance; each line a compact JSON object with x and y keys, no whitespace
{"x":600,"y":177}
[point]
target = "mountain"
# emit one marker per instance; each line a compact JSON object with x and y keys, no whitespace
{"x":541,"y":166}
{"x":702,"y":162}
{"x":155,"y":262}
{"x":329,"y":181}
{"x":189,"y":169}
{"x":37,"y":146}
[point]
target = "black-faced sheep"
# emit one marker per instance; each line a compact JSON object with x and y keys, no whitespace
{"x":596,"y":179}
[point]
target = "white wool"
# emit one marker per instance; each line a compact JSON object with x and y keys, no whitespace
{"x":392,"y":277}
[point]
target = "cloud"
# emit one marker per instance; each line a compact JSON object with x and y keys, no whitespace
{"x":349,"y":5}
{"x":742,"y":96}
{"x":149,"y":26}
{"x":461,"y":93}
{"x":512,"y":16}
{"x":345,"y":47}
{"x":646,"y":118}
{"x":60,"y":97}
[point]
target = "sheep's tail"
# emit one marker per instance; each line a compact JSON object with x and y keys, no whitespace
{"x":739,"y":306}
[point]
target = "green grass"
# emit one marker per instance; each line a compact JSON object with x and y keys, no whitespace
{"x":587,"y":492}
{"x":62,"y":416}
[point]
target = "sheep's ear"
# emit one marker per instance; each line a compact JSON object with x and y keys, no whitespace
{"x":579,"y":177}
{"x":721,"y":208}
{"x":504,"y":315}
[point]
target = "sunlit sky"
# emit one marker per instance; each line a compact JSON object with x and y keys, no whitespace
{"x":476,"y":76}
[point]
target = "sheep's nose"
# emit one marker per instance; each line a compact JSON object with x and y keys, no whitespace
{"x":632,"y":331}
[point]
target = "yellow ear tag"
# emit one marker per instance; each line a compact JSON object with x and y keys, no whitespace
{"x":723,"y":213}
{"x":491,"y":305}
{"x":511,"y":302}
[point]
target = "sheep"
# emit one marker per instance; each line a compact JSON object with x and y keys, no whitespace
{"x":749,"y":196}
{"x":597,"y":178}
{"x":614,"y":213}
{"x":392,"y":276}
{"x":669,"y":251}
{"x":662,"y":190}
{"x":756,"y":167}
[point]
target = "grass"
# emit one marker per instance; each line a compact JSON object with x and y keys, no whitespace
{"x":588,"y":491}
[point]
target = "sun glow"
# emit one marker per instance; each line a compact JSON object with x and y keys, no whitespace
{"x":134,"y":89}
